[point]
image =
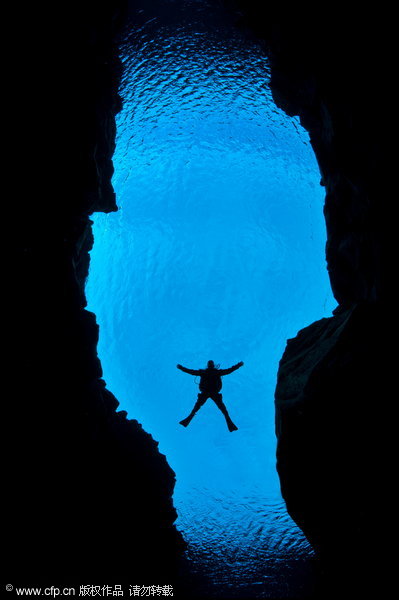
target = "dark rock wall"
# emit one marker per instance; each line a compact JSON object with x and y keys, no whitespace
{"x":333,"y":68}
{"x":89,"y":496}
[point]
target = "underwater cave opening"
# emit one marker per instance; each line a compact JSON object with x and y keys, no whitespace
{"x":216,"y":252}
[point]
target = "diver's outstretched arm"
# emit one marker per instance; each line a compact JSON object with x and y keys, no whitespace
{"x":189,"y":371}
{"x":231,"y":369}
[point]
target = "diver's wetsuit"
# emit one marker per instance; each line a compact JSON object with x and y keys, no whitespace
{"x":210,"y":386}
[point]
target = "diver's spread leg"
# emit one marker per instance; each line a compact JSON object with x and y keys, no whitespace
{"x":221,"y":405}
{"x":200,"y":402}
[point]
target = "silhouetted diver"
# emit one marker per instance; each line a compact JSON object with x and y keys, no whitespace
{"x":210,"y":385}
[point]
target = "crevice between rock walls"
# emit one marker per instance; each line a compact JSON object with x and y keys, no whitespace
{"x":88,"y":495}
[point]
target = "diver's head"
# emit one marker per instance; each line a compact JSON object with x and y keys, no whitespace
{"x":211,"y":364}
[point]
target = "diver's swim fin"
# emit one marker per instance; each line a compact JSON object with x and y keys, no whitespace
{"x":185,"y":421}
{"x":231,"y":425}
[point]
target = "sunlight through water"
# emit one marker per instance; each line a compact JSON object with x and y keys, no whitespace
{"x":216,"y":252}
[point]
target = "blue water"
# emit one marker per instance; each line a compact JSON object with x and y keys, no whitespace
{"x":216,"y":252}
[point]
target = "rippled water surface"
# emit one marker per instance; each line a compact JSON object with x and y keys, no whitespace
{"x":217,"y":251}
